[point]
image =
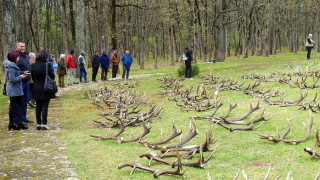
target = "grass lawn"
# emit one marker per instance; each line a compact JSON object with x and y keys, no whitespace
{"x":96,"y":159}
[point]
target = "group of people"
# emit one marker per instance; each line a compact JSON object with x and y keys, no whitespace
{"x":24,"y":78}
{"x":67,"y":66}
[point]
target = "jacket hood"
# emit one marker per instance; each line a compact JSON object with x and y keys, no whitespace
{"x":8,"y":63}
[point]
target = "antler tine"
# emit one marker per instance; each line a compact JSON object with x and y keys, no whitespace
{"x":288,"y":176}
{"x":317,"y":138}
{"x":244,"y":174}
{"x":267,"y":176}
{"x":237,"y":175}
{"x":317,"y":177}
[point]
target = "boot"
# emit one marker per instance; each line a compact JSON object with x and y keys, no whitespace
{"x":22,"y":126}
{"x":13,"y":126}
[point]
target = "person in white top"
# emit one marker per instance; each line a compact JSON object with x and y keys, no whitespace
{"x":309,"y":45}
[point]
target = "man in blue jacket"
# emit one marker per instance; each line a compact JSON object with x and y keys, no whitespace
{"x":24,"y":66}
{"x":104,"y":61}
{"x":126,"y":61}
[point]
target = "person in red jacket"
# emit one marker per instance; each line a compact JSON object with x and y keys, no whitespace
{"x":71,"y":68}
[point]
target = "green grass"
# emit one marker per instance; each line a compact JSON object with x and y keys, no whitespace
{"x":238,"y":150}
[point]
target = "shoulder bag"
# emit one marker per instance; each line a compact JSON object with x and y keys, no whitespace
{"x":50,"y":85}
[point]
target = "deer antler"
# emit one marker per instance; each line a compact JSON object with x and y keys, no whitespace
{"x":312,"y":152}
{"x":192,"y":134}
{"x":201,"y":162}
{"x":317,"y":138}
{"x":152,"y":156}
{"x":146,"y":130}
{"x":294,"y":142}
{"x":135,"y":166}
{"x":174,"y":134}
{"x":178,"y":171}
{"x":252,"y":109}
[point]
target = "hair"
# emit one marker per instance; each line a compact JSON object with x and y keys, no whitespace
{"x":82,"y":53}
{"x":62,"y":56}
{"x":72,"y":51}
{"x":31,"y":55}
{"x":12,"y":55}
{"x":42,"y":56}
{"x":18,"y":42}
{"x":96,"y":51}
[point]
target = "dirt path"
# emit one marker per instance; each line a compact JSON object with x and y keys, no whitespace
{"x":32,"y":154}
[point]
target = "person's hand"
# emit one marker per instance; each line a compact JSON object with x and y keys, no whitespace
{"x":23,"y":76}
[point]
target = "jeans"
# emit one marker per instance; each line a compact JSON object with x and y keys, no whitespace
{"x":309,"y":52}
{"x":16,"y":101}
{"x":126,"y":70}
{"x":188,"y":69}
{"x":84,"y":73}
{"x":114,"y":70}
{"x":71,"y":74}
{"x":42,"y":111}
{"x":94,"y":72}
{"x":25,"y":88}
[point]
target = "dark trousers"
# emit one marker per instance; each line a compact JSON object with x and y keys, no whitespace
{"x":42,"y":111}
{"x":83,"y":72}
{"x":309,"y":52}
{"x":61,"y":81}
{"x":104,"y":73}
{"x":94,"y":72}
{"x":14,"y":102}
{"x":25,"y":88}
{"x":30,"y":92}
{"x":188,"y":69}
{"x":126,"y":70}
{"x":114,"y":70}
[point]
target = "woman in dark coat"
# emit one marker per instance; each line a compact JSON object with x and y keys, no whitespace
{"x":38,"y":72}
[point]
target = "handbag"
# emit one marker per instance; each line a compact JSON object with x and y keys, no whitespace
{"x":50,"y":85}
{"x":4,"y":89}
{"x":5,"y":85}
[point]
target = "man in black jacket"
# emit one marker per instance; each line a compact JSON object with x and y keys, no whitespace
{"x":24,"y":66}
{"x":95,"y":65}
{"x":188,"y":62}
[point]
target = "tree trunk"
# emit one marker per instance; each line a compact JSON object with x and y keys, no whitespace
{"x":63,"y":10}
{"x":9,"y":25}
{"x":72,"y":24}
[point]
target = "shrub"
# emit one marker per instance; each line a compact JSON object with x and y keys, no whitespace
{"x":182,"y":70}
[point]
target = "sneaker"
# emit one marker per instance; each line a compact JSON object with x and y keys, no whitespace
{"x":45,"y":127}
{"x":31,"y":104}
{"x":39,"y":126}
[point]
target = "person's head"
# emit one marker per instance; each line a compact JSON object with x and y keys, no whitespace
{"x":13,"y":56}
{"x":21,"y":47}
{"x":62,"y":56}
{"x":105,"y":52}
{"x":187,"y":48}
{"x":82,"y":53}
{"x":96,"y":52}
{"x":127,"y":52}
{"x":51,"y":56}
{"x":32,"y":56}
{"x":42,"y":56}
{"x":72,"y":52}
{"x":310,"y":36}
{"x":115,"y":51}
{"x":190,"y":48}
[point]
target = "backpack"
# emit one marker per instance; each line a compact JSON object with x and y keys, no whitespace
{"x":184,"y":57}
